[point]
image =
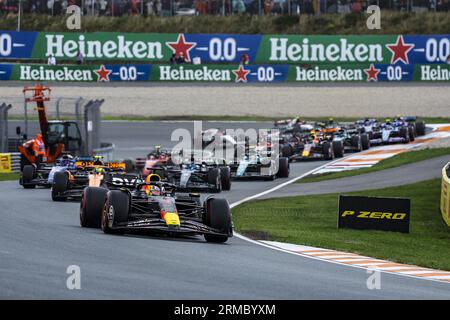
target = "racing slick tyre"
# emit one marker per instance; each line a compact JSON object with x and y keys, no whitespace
{"x":115,"y":210}
{"x":420,"y":128}
{"x":214,"y":179}
{"x":404,"y":134}
{"x":338,"y":149}
{"x":225,"y":176}
{"x":218,"y":216}
{"x":23,"y":162}
{"x":60,"y":182}
{"x":91,"y":206}
{"x":283,"y":168}
{"x":286,"y":150}
{"x":412,"y":133}
{"x":327,"y":151}
{"x":365,"y":141}
{"x":28,"y":174}
{"x":356,"y":143}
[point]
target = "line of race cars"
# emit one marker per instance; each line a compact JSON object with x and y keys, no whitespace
{"x":301,"y":140}
{"x":161,"y":192}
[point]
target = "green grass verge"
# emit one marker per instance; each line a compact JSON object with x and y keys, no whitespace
{"x":312,"y":220}
{"x":392,"y":162}
{"x":353,"y":23}
{"x":9,"y":176}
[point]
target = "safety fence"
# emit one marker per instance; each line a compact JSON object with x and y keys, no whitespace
{"x":4,"y":108}
{"x":445,"y":194}
{"x":9,"y":162}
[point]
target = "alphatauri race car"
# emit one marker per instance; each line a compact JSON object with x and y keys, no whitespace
{"x":42,"y":175}
{"x":90,"y":172}
{"x":153,"y":206}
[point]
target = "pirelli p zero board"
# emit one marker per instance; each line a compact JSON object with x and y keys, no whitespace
{"x":387,"y":214}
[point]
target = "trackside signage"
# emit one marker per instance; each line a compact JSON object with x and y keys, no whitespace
{"x":395,"y":49}
{"x":386,"y":214}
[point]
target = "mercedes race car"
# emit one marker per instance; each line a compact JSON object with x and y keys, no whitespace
{"x":69,"y":184}
{"x":255,"y":166}
{"x":153,"y":206}
{"x":42,"y":175}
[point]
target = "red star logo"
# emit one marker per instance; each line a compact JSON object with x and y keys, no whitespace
{"x":372,"y":73}
{"x":102,"y":74}
{"x":181,"y":46}
{"x":241,"y":74}
{"x":400,"y":50}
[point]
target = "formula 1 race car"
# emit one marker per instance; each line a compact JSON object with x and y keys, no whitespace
{"x":193,"y":177}
{"x":42,"y":175}
{"x":69,"y":184}
{"x":153,"y":206}
{"x":156,"y":158}
{"x":350,"y":137}
{"x":255,"y":166}
{"x":399,"y":130}
{"x":313,"y":146}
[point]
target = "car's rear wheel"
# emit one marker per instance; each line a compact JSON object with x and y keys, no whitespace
{"x":214,"y":179}
{"x":338,"y":149}
{"x":115,"y":210}
{"x":412,"y":133}
{"x":218,"y":216}
{"x":356,"y":143}
{"x":404,"y":134}
{"x":60,"y":184}
{"x":420,"y":128}
{"x":91,"y":206}
{"x":365,"y":141}
{"x":225,"y":176}
{"x":28,"y":174}
{"x":327,"y":151}
{"x":286,"y":150}
{"x":283,"y":168}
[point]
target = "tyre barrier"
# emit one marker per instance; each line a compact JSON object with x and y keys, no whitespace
{"x":445,"y":194}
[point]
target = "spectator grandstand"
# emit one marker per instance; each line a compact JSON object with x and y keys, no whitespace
{"x":216,"y":7}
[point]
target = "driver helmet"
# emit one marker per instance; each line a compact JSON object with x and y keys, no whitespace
{"x":153,"y":190}
{"x":66,"y":160}
{"x":98,"y":170}
{"x":98,"y":160}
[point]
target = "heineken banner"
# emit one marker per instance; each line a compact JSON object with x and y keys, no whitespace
{"x":226,"y":73}
{"x":221,"y":48}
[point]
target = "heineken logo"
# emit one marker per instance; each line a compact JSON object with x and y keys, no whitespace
{"x":333,"y":74}
{"x":63,"y":73}
{"x":114,"y":48}
{"x":434,"y":73}
{"x":283,"y":50}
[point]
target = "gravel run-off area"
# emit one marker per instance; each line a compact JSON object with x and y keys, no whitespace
{"x":363,"y":100}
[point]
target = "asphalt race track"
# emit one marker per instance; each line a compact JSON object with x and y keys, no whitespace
{"x":39,"y":239}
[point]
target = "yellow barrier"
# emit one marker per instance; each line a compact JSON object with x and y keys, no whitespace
{"x":5,"y":163}
{"x":445,"y":195}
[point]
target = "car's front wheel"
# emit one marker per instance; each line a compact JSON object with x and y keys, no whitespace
{"x":218,"y":216}
{"x":115,"y":210}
